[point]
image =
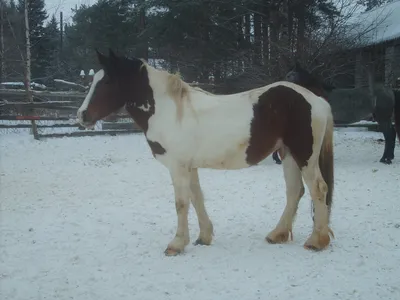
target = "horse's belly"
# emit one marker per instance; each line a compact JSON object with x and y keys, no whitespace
{"x":211,"y":141}
{"x":218,"y":156}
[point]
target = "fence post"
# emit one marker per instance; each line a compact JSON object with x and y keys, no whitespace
{"x":28,"y":68}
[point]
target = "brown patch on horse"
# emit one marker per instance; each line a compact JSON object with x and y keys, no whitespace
{"x":156,"y":148}
{"x":280,"y":115}
{"x":140,"y":102}
{"x":99,"y":106}
{"x":125,"y":82}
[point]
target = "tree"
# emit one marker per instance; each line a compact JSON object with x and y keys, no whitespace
{"x":235,"y":44}
{"x":371,"y":4}
{"x":37,"y":16}
{"x":51,"y":43}
{"x":102,"y":25}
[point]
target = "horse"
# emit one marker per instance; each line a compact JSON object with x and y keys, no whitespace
{"x":187,"y":128}
{"x":354,"y":104}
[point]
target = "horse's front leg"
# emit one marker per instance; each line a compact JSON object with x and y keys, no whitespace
{"x":206,"y":227}
{"x":181,"y":181}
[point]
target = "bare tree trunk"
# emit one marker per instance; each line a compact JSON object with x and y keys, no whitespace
{"x":247,"y":33}
{"x":28,"y":67}
{"x":257,"y":40}
{"x":247,"y":29}
{"x":284,"y":41}
{"x":2,"y":62}
{"x":301,"y":31}
{"x":274,"y":38}
{"x":266,"y":44}
{"x":144,"y":44}
{"x":290,"y":27}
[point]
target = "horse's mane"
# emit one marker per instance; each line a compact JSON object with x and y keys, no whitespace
{"x":196,"y":88}
{"x":178,"y":90}
{"x":309,"y":79}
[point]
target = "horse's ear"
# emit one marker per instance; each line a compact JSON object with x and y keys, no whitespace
{"x":103,"y":60}
{"x":112,"y":55}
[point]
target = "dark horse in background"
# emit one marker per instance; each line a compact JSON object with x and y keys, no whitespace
{"x":351,"y":105}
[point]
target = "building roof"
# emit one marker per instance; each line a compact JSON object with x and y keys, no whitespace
{"x":378,"y":25}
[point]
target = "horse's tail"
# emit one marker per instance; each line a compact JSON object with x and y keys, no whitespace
{"x":397,"y":112}
{"x":326,"y":163}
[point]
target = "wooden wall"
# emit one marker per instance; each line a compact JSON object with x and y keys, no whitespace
{"x":385,"y":58}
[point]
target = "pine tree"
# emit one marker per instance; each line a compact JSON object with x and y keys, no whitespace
{"x":52,"y":45}
{"x":37,"y":16}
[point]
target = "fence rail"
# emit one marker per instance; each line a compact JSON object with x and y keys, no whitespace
{"x":62,"y":106}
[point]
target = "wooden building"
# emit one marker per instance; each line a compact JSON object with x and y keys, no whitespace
{"x":378,"y":45}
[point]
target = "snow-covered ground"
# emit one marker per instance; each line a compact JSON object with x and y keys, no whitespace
{"x":89,"y":218}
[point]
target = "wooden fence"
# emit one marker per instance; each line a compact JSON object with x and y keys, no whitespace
{"x":61,"y":107}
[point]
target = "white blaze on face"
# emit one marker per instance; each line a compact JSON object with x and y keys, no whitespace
{"x":96,"y":78}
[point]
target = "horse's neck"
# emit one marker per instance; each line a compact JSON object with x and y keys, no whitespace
{"x":319,"y":91}
{"x":157,"y":81}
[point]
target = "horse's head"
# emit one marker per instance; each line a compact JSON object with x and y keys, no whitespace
{"x":301,"y":76}
{"x":304,"y":78}
{"x":119,"y":81}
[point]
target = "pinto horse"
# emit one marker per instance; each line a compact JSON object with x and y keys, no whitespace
{"x":297,"y":76}
{"x":188,"y":128}
{"x":378,"y":100}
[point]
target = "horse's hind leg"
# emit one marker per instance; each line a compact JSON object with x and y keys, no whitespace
{"x":276,"y":158}
{"x":389,"y":134}
{"x":206,"y":227}
{"x":294,"y":191}
{"x":318,"y":188}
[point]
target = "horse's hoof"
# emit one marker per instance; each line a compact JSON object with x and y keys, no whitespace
{"x":276,"y":237}
{"x":312,"y":248}
{"x":200,"y":242}
{"x":386,"y":161}
{"x":319,"y":240}
{"x":171,"y":252}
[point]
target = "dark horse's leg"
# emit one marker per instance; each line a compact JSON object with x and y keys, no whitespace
{"x":276,"y":158}
{"x":389,"y":133}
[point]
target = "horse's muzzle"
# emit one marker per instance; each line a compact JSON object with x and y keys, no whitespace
{"x":85,"y":119}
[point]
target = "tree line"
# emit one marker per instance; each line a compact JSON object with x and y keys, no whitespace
{"x":234,"y":44}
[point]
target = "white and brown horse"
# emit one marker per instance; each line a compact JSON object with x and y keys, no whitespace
{"x":187,"y":128}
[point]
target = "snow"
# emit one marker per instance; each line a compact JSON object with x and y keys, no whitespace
{"x":377,"y":25}
{"x":89,"y":218}
{"x":66,"y":82}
